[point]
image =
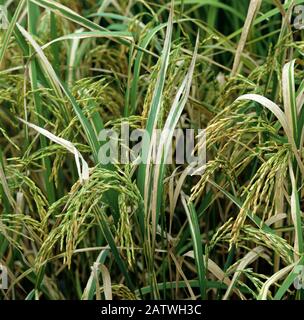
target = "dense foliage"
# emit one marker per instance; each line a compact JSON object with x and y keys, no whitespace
{"x":142,"y":231}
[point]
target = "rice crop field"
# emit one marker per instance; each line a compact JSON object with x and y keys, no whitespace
{"x":151,"y":150}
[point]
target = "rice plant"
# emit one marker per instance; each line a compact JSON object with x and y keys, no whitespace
{"x":76,"y":226}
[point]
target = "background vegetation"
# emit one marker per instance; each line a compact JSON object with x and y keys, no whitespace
{"x":141,"y":232}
